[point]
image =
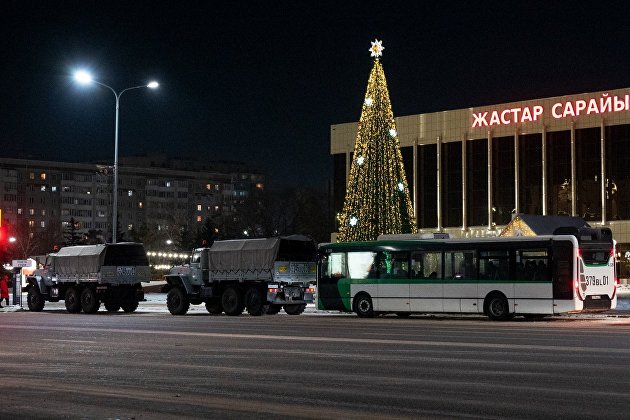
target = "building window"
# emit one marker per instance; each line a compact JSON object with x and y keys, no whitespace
{"x":198,"y":207}
{"x":168,"y":184}
{"x":31,"y":211}
{"x":140,"y":204}
{"x":53,"y":189}
{"x":31,"y":223}
{"x":43,"y":188}
{"x":259,"y":186}
{"x":43,"y":212}
{"x":199,"y":218}
{"x":31,"y":175}
{"x":208,"y":186}
{"x":19,"y":211}
{"x":42,"y":224}
{"x":42,"y":176}
{"x":130,"y":193}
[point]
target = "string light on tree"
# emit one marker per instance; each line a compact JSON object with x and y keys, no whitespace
{"x":377,"y":196}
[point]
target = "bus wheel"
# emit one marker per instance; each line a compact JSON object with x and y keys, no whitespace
{"x":363,"y":305}
{"x":213,"y":306}
{"x":497,"y":307}
{"x":72,"y":300}
{"x":255,"y":302}
{"x":273,"y":309}
{"x":232,"y":301}
{"x":177,"y":302}
{"x":294,"y":309}
{"x":89,"y":301}
{"x":35,"y":300}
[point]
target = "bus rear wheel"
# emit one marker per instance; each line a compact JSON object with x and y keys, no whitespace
{"x":497,"y":307}
{"x":363,"y":305}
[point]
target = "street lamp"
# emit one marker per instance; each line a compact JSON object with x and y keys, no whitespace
{"x":85,"y":78}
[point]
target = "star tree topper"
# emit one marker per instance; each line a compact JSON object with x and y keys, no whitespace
{"x":377,"y":48}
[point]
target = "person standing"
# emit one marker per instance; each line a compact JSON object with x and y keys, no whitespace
{"x":4,"y":289}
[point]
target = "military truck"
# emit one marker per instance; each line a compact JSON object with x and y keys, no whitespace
{"x":260,"y":275}
{"x":86,"y":275}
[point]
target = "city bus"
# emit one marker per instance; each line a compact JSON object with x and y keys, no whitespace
{"x":571,"y":271}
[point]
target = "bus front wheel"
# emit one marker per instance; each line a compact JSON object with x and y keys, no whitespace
{"x":363,"y":305}
{"x":497,"y":307}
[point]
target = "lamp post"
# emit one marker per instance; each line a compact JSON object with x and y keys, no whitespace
{"x":85,"y":78}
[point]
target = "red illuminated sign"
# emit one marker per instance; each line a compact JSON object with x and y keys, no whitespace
{"x":559,"y":110}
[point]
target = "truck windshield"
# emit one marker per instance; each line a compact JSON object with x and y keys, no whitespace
{"x":125,"y":254}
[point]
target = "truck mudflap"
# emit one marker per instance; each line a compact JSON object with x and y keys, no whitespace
{"x":280,"y":294}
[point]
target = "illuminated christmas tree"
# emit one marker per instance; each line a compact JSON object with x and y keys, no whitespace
{"x":377,"y":198}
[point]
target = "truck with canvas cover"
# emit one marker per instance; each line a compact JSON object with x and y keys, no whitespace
{"x":85,"y":276}
{"x":260,"y":275}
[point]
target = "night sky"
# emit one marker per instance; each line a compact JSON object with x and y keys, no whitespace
{"x":262,"y":82}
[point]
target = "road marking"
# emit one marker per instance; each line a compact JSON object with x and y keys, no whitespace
{"x":69,"y":341}
{"x":499,"y":346}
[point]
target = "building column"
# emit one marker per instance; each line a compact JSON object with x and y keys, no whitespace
{"x":490,"y":180}
{"x":464,"y":183}
{"x":573,"y":176}
{"x":516,"y":174}
{"x":415,"y":179}
{"x":439,"y":183}
{"x":543,"y":153}
{"x":603,"y":168}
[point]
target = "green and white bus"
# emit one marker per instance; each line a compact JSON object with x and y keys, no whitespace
{"x":571,"y":271}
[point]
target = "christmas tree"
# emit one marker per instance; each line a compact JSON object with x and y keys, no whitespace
{"x":377,"y":197}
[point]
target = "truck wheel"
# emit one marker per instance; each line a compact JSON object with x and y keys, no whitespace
{"x":129,"y":305}
{"x":294,"y":309}
{"x":213,"y":306}
{"x":232,"y":301}
{"x":177,"y":301}
{"x":112,"y":305}
{"x":73,"y":300}
{"x":273,"y":309}
{"x":35,"y":300}
{"x":255,"y":302}
{"x":89,"y":301}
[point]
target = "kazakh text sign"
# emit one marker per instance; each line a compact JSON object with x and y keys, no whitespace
{"x":559,"y":110}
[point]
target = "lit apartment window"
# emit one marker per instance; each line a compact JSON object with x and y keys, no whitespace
{"x":130,"y":193}
{"x":217,"y":187}
{"x":19,"y":211}
{"x":31,"y":211}
{"x":140,"y":204}
{"x":42,"y":224}
{"x":31,"y":175}
{"x":43,"y":188}
{"x":198,"y":207}
{"x":129,"y":227}
{"x":259,"y":186}
{"x":31,"y":223}
{"x":199,"y":218}
{"x":216,"y":208}
{"x":168,"y":183}
{"x":208,"y":186}
{"x":44,"y":212}
{"x":42,"y":176}
{"x":53,"y":189}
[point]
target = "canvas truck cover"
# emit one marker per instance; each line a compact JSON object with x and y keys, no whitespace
{"x":248,"y":254}
{"x":81,"y":259}
{"x":86,"y":259}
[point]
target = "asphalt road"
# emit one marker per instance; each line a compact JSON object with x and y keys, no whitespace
{"x":155,"y":365}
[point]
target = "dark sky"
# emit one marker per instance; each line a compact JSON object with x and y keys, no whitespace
{"x":263,"y":81}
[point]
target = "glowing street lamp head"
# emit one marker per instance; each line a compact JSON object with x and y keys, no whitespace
{"x":83,"y":77}
{"x":153,"y":84}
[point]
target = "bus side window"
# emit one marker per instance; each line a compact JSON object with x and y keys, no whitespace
{"x":426,"y":265}
{"x":460,"y":265}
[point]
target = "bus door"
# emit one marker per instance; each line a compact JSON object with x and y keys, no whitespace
{"x":425,"y":285}
{"x":563,"y":276}
{"x":460,"y":281}
{"x":393,"y":282}
{"x":533,"y":290}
